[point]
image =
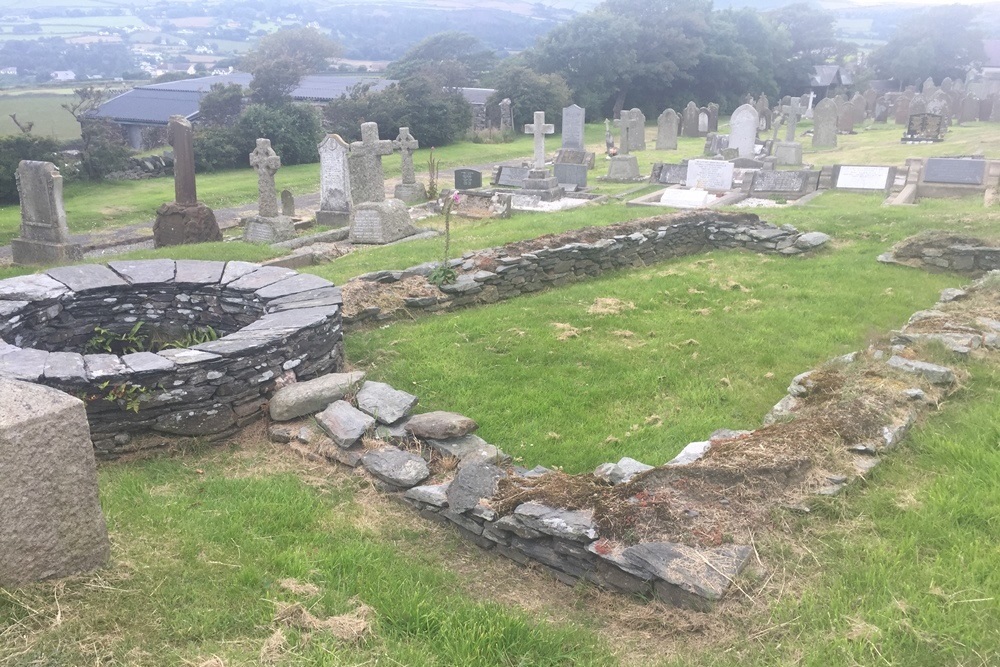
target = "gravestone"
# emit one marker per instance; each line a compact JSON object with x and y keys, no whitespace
{"x":268,"y":226}
{"x":846,"y":118}
{"x":863,"y":177}
{"x":44,"y":235}
{"x":927,"y":89}
{"x":334,"y":182}
{"x":902,"y":110}
{"x":374,"y":220}
{"x":689,"y":120}
{"x":572,"y":127}
{"x":789,"y":151}
{"x":51,"y":524}
{"x":637,"y":133}
{"x":609,"y":139}
{"x":408,"y":191}
{"x":764,"y":117}
{"x":968,"y":111}
{"x":947,"y":84}
{"x":702,"y":122}
{"x":468,"y":179}
{"x":483,"y":204}
{"x":570,"y":174}
{"x":954,"y":171}
{"x":287,"y":203}
{"x":677,"y":198}
{"x":860,"y":105}
{"x":365,"y":164}
{"x":666,"y":131}
{"x":185,"y":220}
{"x":540,"y":181}
{"x":716,"y":143}
{"x":918,"y":105}
{"x":995,"y":111}
{"x":624,"y":167}
{"x":881,"y":110}
{"x":573,"y":156}
{"x":825,"y":124}
{"x":743,"y":130}
{"x":788,"y":183}
{"x":713,"y":117}
{"x":941,"y":106}
{"x":511,"y":176}
{"x":711,"y":175}
{"x":924,"y":127}
{"x":506,"y":116}
{"x":668,"y":174}
{"x":871,"y":96}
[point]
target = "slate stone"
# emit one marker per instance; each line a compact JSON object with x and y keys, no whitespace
{"x":301,"y":282}
{"x":145,"y":271}
{"x":691,"y":452}
{"x":197,"y":422}
{"x":932,"y":372}
{"x":65,"y":367}
{"x":103,"y":366}
{"x":288,"y":321}
{"x":198,"y":272}
{"x":187,"y":356}
{"x":706,"y":573}
{"x":576,"y":525}
{"x":433,"y":494}
{"x":468,"y":448}
{"x":10,"y":308}
{"x":262,"y":277}
{"x":472,"y":483}
{"x":440,"y":425}
{"x":25,"y":364}
{"x":384,"y":403}
{"x":396,"y":467}
{"x":392,"y":432}
{"x":811,"y":240}
{"x":32,"y":288}
{"x":147,"y":362}
{"x":621,"y":472}
{"x":512,"y":524}
{"x":86,"y":277}
{"x":344,"y":423}
{"x":51,"y":524}
{"x":236,"y":270}
{"x":305,"y":398}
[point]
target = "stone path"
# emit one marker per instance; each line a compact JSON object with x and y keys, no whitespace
{"x":140,"y":234}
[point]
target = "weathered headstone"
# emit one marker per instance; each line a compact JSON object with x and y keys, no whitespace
{"x":789,"y":151}
{"x":715,"y":143}
{"x":44,"y":235}
{"x":540,"y":181}
{"x":51,"y":524}
{"x":365,"y":163}
{"x":506,"y":116}
{"x":743,"y":130}
{"x":512,"y":176}
{"x":928,"y":89}
{"x":573,"y":119}
{"x":924,"y":127}
{"x":380,"y":222}
{"x":666,"y":131}
{"x":860,"y":105}
{"x":870,"y":95}
{"x":268,"y":226}
{"x":941,"y":106}
{"x":713,"y":117}
{"x":764,"y":117}
{"x":468,"y":179}
{"x":711,"y":175}
{"x":624,"y":167}
{"x":995,"y":111}
{"x":684,"y":198}
{"x":668,"y":174}
{"x":409,"y":191}
{"x":573,"y":156}
{"x":863,"y":177}
{"x":689,"y":120}
{"x":637,"y":133}
{"x":825,"y":124}
{"x":185,"y":220}
{"x":609,"y":138}
{"x":334,"y":182}
{"x":287,"y":203}
{"x":570,"y":174}
{"x":901,"y":112}
{"x":702,"y":122}
{"x":788,"y":183}
{"x":968,"y":111}
{"x":881,"y":110}
{"x":846,"y":118}
{"x":918,"y":105}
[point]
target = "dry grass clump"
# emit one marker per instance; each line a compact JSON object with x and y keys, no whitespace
{"x":350,"y":628}
{"x":360,"y":295}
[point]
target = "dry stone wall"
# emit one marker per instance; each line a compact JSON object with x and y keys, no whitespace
{"x":271,"y":322}
{"x":946,"y":252}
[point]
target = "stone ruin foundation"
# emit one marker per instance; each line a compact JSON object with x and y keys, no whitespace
{"x":271,"y":325}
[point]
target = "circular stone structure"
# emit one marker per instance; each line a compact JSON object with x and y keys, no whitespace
{"x":270,"y":323}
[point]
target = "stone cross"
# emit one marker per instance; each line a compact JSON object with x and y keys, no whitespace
{"x":406,"y":144}
{"x":180,"y":136}
{"x":793,"y":112}
{"x":539,"y":129}
{"x":624,"y":124}
{"x":266,"y":162}
{"x":367,"y":156}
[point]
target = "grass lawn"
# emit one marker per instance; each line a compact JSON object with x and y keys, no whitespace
{"x":44,"y":109}
{"x":901,"y":569}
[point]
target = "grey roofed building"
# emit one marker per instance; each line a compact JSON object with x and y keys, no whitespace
{"x":824,"y":77}
{"x":153,"y":105}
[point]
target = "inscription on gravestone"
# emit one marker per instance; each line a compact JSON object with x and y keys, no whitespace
{"x":512,"y":176}
{"x":956,"y":172}
{"x":855,"y":177}
{"x":570,"y":174}
{"x":783,"y":182}
{"x":468,"y":179}
{"x":572,"y":127}
{"x":673,"y":174}
{"x":714,"y":175}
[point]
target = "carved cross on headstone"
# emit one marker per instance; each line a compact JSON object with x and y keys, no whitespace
{"x":266,"y":162}
{"x":624,"y":124}
{"x":539,"y":129}
{"x":406,"y":144}
{"x":793,"y":112}
{"x":368,"y":153}
{"x":180,"y":136}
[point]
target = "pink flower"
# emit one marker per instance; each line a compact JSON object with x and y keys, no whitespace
{"x":455,"y":198}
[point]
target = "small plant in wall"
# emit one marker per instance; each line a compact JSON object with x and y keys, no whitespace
{"x":443,"y":274}
{"x":105,"y":340}
{"x":126,"y":395}
{"x":432,"y":175}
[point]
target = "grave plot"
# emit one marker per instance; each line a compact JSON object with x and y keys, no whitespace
{"x":707,"y":183}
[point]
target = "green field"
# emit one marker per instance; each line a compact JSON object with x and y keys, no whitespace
{"x":903,"y":568}
{"x":44,"y":109}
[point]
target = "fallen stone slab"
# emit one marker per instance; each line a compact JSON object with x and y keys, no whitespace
{"x":396,"y":467}
{"x":577,"y":525}
{"x":440,"y":425}
{"x":305,"y":398}
{"x":703,"y":572}
{"x":931,"y":372}
{"x":344,"y":423}
{"x":384,"y":403}
{"x":691,"y":453}
{"x":621,"y":472}
{"x":473,"y":483}
{"x":469,"y":448}
{"x":811,"y":240}
{"x":430,"y":494}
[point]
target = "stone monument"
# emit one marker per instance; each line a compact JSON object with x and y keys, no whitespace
{"x":51,"y":524}
{"x":540,"y":181}
{"x":506,"y":116}
{"x":334,"y":182}
{"x":637,"y":133}
{"x":624,"y":167}
{"x":268,"y":226}
{"x":373,"y":219}
{"x":845,"y":118}
{"x":44,"y":236}
{"x":689,"y":120}
{"x":573,"y":118}
{"x":184,"y":220}
{"x":789,"y":151}
{"x":743,"y":130}
{"x":666,"y":131}
{"x":409,"y":191}
{"x":825,"y":124}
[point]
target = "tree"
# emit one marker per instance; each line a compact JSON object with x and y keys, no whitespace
{"x":221,"y":105}
{"x":811,"y":41}
{"x":19,"y":147}
{"x":458,"y":57}
{"x":104,"y":147}
{"x":294,"y":131}
{"x":529,"y":92}
{"x":939,"y":42}
{"x":279,"y":60}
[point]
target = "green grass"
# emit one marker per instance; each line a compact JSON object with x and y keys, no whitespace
{"x":44,"y":110}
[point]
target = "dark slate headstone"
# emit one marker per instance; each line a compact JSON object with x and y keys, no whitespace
{"x":925,"y":127}
{"x":512,"y":176}
{"x":468,"y":179}
{"x":669,"y":174}
{"x":573,"y":156}
{"x":954,"y":171}
{"x":784,"y":182}
{"x":570,"y":174}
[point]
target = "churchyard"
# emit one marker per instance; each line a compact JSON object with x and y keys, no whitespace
{"x":254,"y":551}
